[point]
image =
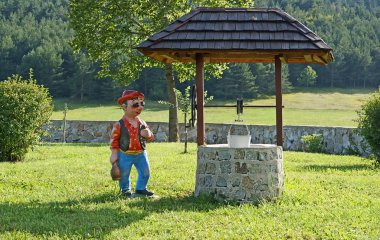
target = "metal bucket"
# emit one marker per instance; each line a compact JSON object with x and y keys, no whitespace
{"x":239,"y":136}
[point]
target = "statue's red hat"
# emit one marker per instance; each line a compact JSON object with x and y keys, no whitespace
{"x":128,"y":95}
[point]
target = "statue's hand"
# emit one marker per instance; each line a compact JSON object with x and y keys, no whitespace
{"x":113,"y":157}
{"x":146,"y":133}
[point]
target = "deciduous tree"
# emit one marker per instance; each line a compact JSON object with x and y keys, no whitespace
{"x":307,"y":77}
{"x":110,"y":30}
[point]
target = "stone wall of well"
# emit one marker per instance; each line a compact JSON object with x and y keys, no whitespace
{"x":337,"y":140}
{"x":247,"y":174}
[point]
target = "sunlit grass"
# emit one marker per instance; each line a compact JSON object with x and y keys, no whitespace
{"x":324,"y":108}
{"x":64,"y":191}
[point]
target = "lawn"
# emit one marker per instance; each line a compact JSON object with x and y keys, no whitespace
{"x":64,"y":191}
{"x":326,"y":107}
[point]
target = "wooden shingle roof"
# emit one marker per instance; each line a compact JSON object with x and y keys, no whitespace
{"x":237,"y":35}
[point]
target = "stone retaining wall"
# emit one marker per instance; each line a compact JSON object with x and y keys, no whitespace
{"x":337,"y":140}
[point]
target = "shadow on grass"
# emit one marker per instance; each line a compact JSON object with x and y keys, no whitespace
{"x":342,"y":168}
{"x":79,"y":218}
{"x":190,"y":203}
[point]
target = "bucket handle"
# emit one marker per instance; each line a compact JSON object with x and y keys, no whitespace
{"x":229,"y":130}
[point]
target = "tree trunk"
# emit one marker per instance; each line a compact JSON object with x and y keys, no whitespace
{"x":81,"y":89}
{"x":173,"y":110}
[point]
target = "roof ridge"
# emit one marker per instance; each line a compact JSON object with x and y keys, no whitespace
{"x":234,"y":9}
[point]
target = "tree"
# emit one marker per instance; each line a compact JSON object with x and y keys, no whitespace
{"x":35,"y":34}
{"x":265,"y":78}
{"x":369,"y":123}
{"x":307,"y":77}
{"x":237,"y":81}
{"x":109,"y":31}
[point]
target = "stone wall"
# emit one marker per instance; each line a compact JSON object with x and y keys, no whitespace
{"x":248,"y":174}
{"x":337,"y":140}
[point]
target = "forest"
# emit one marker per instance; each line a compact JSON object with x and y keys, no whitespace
{"x":36,"y":34}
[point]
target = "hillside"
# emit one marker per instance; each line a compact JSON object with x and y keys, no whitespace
{"x":36,"y":34}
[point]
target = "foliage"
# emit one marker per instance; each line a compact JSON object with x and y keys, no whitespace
{"x":184,"y":105}
{"x":110,"y":31}
{"x":152,"y":83}
{"x":113,"y":29}
{"x":184,"y":100}
{"x":369,"y":123}
{"x":349,"y":27}
{"x":36,"y":34}
{"x":25,"y":108}
{"x":307,"y":77}
{"x":313,"y":143}
{"x":239,"y":81}
{"x":339,"y":191}
{"x":249,"y":81}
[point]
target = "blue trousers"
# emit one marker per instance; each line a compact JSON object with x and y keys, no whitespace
{"x":142,"y":166}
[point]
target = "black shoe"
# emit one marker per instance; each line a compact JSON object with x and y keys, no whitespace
{"x":144,"y":192}
{"x":126,"y":193}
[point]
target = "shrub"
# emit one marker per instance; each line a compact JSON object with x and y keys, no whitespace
{"x":313,"y":143}
{"x":24,"y":108}
{"x":369,"y":123}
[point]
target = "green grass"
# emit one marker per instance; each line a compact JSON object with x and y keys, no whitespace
{"x":65,"y":192}
{"x":326,"y":107}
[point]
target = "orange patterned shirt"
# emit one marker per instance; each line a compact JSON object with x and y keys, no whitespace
{"x":134,"y":144}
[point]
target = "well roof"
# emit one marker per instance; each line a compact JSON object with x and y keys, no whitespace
{"x":237,"y":35}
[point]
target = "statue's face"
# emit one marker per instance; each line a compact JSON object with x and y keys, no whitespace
{"x":133,"y":107}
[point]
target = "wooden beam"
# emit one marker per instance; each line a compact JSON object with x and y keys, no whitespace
{"x":308,"y":58}
{"x":241,"y":60}
{"x":200,"y":99}
{"x":279,"y":125}
{"x":167,"y":60}
{"x":319,"y":59}
{"x":284,"y":59}
{"x":169,"y":57}
{"x":242,"y":56}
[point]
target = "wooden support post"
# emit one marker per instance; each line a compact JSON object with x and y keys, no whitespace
{"x":200,"y":99}
{"x":279,"y":124}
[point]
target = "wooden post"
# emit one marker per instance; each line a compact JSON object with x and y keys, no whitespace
{"x":200,"y":99}
{"x":64,"y":122}
{"x":279,"y":124}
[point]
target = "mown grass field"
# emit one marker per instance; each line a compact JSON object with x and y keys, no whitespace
{"x":64,"y":191}
{"x":323,"y":107}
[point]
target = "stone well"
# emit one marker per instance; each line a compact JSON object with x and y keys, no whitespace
{"x":248,"y":174}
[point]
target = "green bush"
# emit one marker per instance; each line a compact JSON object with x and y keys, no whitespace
{"x":313,"y":143}
{"x":369,"y":123}
{"x":24,"y":108}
